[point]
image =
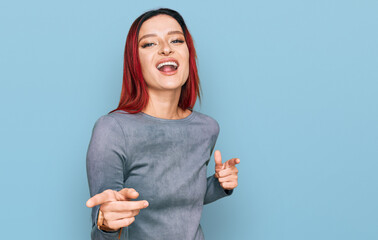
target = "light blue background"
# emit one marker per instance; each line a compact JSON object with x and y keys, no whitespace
{"x":293,"y":85}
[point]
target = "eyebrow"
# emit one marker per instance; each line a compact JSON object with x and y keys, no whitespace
{"x":154,"y":35}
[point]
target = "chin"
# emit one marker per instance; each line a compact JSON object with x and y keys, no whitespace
{"x":171,"y":82}
{"x":172,"y":86}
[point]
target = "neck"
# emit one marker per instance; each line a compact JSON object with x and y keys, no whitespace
{"x":164,"y":104}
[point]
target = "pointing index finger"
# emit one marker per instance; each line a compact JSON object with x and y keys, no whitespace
{"x":106,"y":196}
{"x":233,"y":162}
{"x":121,"y":206}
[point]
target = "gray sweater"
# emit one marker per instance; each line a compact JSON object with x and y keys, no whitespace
{"x":165,"y":161}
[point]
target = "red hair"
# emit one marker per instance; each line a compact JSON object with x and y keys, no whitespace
{"x":134,"y":94}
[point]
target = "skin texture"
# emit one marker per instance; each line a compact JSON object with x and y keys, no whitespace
{"x":164,"y":92}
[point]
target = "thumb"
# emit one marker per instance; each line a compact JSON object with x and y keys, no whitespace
{"x":218,"y":161}
{"x":108,"y":195}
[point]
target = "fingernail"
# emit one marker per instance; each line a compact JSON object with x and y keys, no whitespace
{"x":146,"y":204}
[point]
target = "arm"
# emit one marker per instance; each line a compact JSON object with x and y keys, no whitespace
{"x":214,"y":190}
{"x":104,"y":162}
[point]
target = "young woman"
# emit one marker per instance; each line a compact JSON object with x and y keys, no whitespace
{"x":154,"y":147}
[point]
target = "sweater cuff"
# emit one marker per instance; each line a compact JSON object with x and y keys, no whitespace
{"x":214,"y":190}
{"x":99,"y":234}
{"x":228,"y":192}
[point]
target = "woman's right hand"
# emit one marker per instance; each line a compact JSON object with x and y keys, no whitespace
{"x":118,"y":211}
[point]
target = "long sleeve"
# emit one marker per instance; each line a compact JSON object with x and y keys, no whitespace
{"x":105,"y":162}
{"x":214,"y":190}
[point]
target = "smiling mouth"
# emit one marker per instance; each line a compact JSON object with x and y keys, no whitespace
{"x":167,"y":67}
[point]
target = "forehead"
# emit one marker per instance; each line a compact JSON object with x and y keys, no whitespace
{"x":160,"y":24}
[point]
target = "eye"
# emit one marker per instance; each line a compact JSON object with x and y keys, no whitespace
{"x":147,"y":45}
{"x":177,"y":41}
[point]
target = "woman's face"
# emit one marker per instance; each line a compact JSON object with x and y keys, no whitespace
{"x":161,"y":40}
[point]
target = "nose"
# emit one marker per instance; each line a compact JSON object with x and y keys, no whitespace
{"x":165,"y":49}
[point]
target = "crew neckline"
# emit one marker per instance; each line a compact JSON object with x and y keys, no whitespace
{"x":186,"y":119}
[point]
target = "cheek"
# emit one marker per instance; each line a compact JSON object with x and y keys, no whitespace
{"x":186,"y":57}
{"x":187,"y":53}
{"x":143,"y":62}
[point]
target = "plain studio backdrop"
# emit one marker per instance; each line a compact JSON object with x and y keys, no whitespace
{"x":293,"y":85}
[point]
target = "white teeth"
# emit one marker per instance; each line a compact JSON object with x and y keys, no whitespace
{"x":167,"y":63}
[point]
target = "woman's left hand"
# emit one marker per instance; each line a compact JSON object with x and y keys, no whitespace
{"x":227,"y":173}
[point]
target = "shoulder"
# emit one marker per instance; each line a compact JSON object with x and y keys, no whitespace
{"x":120,"y":121}
{"x":107,"y":136}
{"x":113,"y":119}
{"x":107,"y":125}
{"x":105,"y":121}
{"x":209,"y":121}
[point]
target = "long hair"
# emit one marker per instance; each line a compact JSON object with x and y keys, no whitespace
{"x":134,"y":94}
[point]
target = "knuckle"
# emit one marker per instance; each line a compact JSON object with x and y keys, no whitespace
{"x":128,"y":205}
{"x":130,"y":214}
{"x":109,"y":193}
{"x":111,"y":224}
{"x":129,"y":221}
{"x":119,"y":196}
{"x":131,"y":206}
{"x":104,"y":208}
